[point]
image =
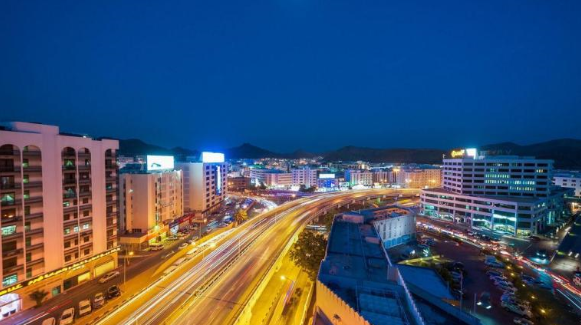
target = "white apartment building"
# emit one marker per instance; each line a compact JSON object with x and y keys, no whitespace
{"x":205,"y":186}
{"x":149,"y":201}
{"x":505,"y":194}
{"x":383,"y":176}
{"x":271,"y":178}
{"x":569,"y":180}
{"x":58,"y":211}
{"x":359,"y":177}
{"x":304,"y":176}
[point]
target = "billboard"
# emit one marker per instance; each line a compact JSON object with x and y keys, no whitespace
{"x":326,"y":176}
{"x":159,"y":162}
{"x":212,"y":157}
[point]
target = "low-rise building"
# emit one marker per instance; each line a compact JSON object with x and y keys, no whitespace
{"x":238,"y":184}
{"x":357,"y":177}
{"x":304,"y":177}
{"x":569,"y":180}
{"x":395,"y":225}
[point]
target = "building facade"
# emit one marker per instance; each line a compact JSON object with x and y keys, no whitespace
{"x":359,"y":177}
{"x":416,"y":177}
{"x":569,"y":180}
{"x":505,"y":194}
{"x":205,"y":185}
{"x":58,"y":195}
{"x":304,"y":176}
{"x":149,"y":201}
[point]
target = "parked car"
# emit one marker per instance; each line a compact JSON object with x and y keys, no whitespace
{"x":535,"y":238}
{"x":522,"y":321}
{"x":171,"y":238}
{"x":506,"y":288}
{"x":109,"y":276}
{"x":68,"y":316}
{"x":183,"y":245}
{"x":497,"y":265}
{"x":191,"y":241}
{"x":495,"y":273}
{"x":155,"y":246}
{"x":49,"y":321}
{"x":113,"y":292}
{"x":98,"y":300}
{"x":484,"y":300}
{"x":517,"y":309}
{"x":85,"y":307}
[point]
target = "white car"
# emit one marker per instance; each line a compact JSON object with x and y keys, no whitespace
{"x":98,"y":300}
{"x":67,"y":317}
{"x":109,"y":276}
{"x":517,"y":309}
{"x":49,"y":321}
{"x":183,"y":245}
{"x":85,"y":307}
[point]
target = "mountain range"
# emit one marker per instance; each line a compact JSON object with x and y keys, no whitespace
{"x":565,"y":152}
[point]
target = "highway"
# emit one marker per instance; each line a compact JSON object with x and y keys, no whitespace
{"x":214,"y":286}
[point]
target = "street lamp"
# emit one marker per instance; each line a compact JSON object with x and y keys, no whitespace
{"x":125,"y":267}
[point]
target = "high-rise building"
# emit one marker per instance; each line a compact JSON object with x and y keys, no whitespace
{"x":205,"y":182}
{"x":59,"y":209}
{"x":149,"y":201}
{"x":506,"y":194}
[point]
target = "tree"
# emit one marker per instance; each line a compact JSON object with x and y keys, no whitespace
{"x":240,"y":216}
{"x":308,"y":252}
{"x":38,"y":296}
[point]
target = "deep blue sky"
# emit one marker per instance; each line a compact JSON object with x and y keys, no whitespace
{"x":288,"y":74}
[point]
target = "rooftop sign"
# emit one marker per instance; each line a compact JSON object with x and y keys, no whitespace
{"x":460,"y":153}
{"x":159,"y":162}
{"x":212,"y":157}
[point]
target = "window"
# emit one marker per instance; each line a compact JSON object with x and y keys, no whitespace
{"x":85,"y":239}
{"x":27,"y":210}
{"x":8,"y":230}
{"x":67,"y":258}
{"x":26,"y":194}
{"x":9,"y":280}
{"x":8,"y":198}
{"x":25,"y":163}
{"x":86,"y":226}
{"x":28,"y":256}
{"x":25,"y":179}
{"x":27,"y":226}
{"x":8,"y":246}
{"x":28,"y":272}
{"x":10,"y":262}
{"x":67,"y":244}
{"x":87,"y":251}
{"x":67,"y":231}
{"x":76,"y":228}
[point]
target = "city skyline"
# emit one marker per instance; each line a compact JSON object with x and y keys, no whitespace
{"x":279,"y":75}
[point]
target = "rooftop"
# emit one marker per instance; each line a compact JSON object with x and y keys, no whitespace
{"x":356,"y":270}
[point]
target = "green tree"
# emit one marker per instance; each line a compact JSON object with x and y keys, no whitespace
{"x":240,"y":216}
{"x":308,"y":252}
{"x":38,"y":296}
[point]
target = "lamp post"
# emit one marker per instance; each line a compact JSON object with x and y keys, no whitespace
{"x":125,"y":267}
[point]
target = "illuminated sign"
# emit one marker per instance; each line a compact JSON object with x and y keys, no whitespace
{"x":469,"y":152}
{"x":219,"y":179}
{"x":159,"y":162}
{"x":45,"y":276}
{"x":212,"y":157}
{"x":326,"y":176}
{"x":8,"y":230}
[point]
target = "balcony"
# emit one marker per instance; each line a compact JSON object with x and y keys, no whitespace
{"x":10,"y":186}
{"x":71,"y":222}
{"x":9,"y":152}
{"x":85,"y":194}
{"x":35,"y":199}
{"x":35,"y":246}
{"x":35,"y":262}
{"x":11,"y":252}
{"x":9,"y":221}
{"x":11,"y":203}
{"x":85,"y":181}
{"x":84,"y":167}
{"x":9,"y":169}
{"x":28,"y":153}
{"x":13,"y":269}
{"x":69,"y":181}
{"x":33,"y":184}
{"x":34,"y":216}
{"x":33,"y":169}
{"x":35,"y":231}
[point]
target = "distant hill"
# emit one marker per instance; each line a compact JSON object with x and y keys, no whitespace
{"x":136,"y":147}
{"x":565,"y":152}
{"x":420,"y":156}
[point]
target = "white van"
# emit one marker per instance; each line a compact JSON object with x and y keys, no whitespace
{"x":156,"y":246}
{"x":179,"y":261}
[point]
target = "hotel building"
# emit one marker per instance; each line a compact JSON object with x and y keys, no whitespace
{"x":149,"y":202}
{"x":205,"y":183}
{"x":419,"y":177}
{"x":505,"y":194}
{"x":58,"y":211}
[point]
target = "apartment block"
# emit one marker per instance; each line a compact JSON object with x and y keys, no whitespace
{"x":59,"y":211}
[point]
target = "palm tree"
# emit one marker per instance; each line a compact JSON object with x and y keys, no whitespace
{"x":38,"y":296}
{"x":240,"y":216}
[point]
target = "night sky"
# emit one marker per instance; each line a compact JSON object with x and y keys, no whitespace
{"x":289,"y":74}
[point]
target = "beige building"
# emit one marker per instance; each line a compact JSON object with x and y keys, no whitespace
{"x":419,"y":177}
{"x":204,"y":185}
{"x":58,"y":211}
{"x":149,"y":201}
